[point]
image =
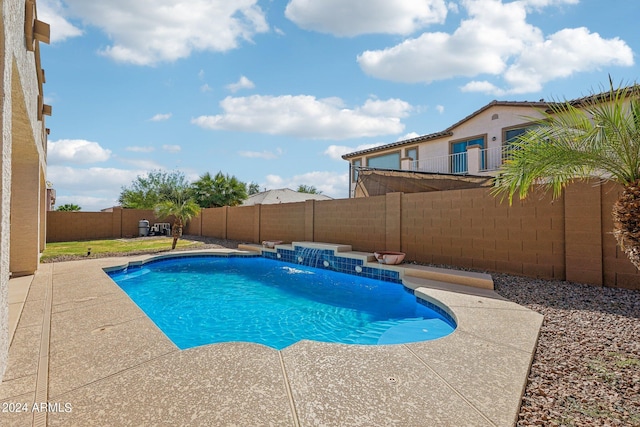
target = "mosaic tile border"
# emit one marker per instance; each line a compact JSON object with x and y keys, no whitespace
{"x":446,"y":314}
{"x":328,"y":260}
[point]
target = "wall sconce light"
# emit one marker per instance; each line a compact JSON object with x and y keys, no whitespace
{"x":493,"y":138}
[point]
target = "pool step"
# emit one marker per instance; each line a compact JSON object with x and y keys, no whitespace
{"x":458,"y":277}
{"x":408,"y":271}
{"x":372,"y":332}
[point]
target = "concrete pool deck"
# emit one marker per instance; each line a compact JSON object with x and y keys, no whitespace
{"x":85,"y":348}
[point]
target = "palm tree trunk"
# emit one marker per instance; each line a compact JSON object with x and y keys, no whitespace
{"x":626,"y":222}
{"x":176,"y":232}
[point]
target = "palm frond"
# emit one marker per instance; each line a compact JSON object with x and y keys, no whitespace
{"x":596,"y":137}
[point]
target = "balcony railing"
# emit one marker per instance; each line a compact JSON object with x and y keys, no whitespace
{"x":495,"y":157}
{"x":453,"y":163}
{"x":488,"y":160}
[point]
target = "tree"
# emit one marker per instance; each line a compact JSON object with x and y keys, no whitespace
{"x":253,"y":188}
{"x":217,"y":191}
{"x":182,"y":207}
{"x":69,"y":207}
{"x":149,"y":190}
{"x":597,"y":137}
{"x":309,"y":189}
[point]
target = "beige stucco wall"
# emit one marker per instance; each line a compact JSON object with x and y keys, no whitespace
{"x":23,"y":160}
{"x":485,"y":124}
{"x":490,"y":123}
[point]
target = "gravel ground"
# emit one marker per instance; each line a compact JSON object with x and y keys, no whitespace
{"x":586,"y":370}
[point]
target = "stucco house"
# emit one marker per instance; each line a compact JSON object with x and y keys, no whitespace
{"x":23,"y":195}
{"x":473,"y":147}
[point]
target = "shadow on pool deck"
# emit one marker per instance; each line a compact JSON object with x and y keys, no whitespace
{"x":104,"y":362}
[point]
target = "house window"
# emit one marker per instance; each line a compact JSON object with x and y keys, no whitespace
{"x":354,"y":169}
{"x":511,"y":135}
{"x":459,"y":154}
{"x":385,"y":161}
{"x":412,"y":152}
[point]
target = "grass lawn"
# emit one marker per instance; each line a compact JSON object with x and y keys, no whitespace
{"x":61,"y":250}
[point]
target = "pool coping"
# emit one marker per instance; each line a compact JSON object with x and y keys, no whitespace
{"x":112,"y":365}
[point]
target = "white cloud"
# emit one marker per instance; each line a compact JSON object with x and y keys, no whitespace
{"x":92,"y":188}
{"x":171,"y":148}
{"x":274,"y":181}
{"x":90,"y":178}
{"x":138,"y":149}
{"x":332,"y":184}
{"x":52,"y":12}
{"x":482,"y":86}
{"x":160,"y":117}
{"x":205,"y":88}
{"x":305,"y":116}
{"x":146,"y":32}
{"x":410,"y":135}
{"x":77,"y":151}
{"x":545,"y":3}
{"x":354,"y":17}
{"x":143,"y":164}
{"x":390,"y":107}
{"x":440,"y":108}
{"x":496,"y":40}
{"x":87,"y":203}
{"x":267,"y":155}
{"x":337,"y":151}
{"x":243,"y":83}
{"x":570,"y":51}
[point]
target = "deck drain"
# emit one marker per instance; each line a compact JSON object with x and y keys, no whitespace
{"x":392,"y":380}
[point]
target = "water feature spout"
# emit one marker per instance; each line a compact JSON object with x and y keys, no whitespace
{"x":311,"y":257}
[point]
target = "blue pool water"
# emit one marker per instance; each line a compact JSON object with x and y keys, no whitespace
{"x":205,"y":300}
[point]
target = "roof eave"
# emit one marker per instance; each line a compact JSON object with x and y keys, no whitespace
{"x":397,"y":144}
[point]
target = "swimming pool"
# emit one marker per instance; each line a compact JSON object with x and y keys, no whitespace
{"x":200,"y":300}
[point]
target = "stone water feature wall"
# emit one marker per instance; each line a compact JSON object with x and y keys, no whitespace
{"x":318,"y":257}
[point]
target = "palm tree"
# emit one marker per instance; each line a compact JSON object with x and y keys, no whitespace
{"x":219,"y":190}
{"x":182,"y":208}
{"x":253,"y":188}
{"x":69,"y":207}
{"x":597,"y":136}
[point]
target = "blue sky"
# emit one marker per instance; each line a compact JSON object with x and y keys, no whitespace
{"x":274,"y":92}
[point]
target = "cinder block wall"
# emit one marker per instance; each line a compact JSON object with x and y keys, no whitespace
{"x":72,"y":226}
{"x":359,"y":222}
{"x":132,"y":217}
{"x":568,"y":238}
{"x":284,"y":222}
{"x":214,"y":222}
{"x":471,"y":228}
{"x":618,"y":271}
{"x":241,"y":223}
